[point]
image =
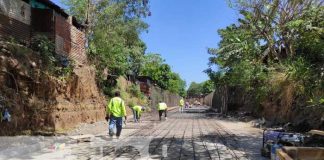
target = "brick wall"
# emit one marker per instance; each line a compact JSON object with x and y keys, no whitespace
{"x":78,"y":51}
{"x":16,"y":9}
{"x":15,"y":20}
{"x":62,"y":36}
{"x":69,"y":40}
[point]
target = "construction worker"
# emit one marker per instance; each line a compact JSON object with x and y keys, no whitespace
{"x":187,"y":104}
{"x":181,"y":105}
{"x":115,"y":112}
{"x":137,"y":112}
{"x":162,"y":107}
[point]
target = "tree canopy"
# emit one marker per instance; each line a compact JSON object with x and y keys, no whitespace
{"x":200,"y":89}
{"x":273,"y":43}
{"x":113,"y":28}
{"x":155,"y":67}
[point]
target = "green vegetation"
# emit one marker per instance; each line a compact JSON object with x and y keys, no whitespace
{"x":275,"y":45}
{"x":135,"y":90}
{"x":199,"y":89}
{"x":55,"y":64}
{"x":131,"y":93}
{"x":46,"y":48}
{"x":114,"y":45}
{"x":113,"y":28}
{"x":154,"y":67}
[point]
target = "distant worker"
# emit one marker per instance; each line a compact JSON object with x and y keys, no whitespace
{"x":187,"y":104}
{"x":162,"y":107}
{"x":137,"y":111}
{"x":181,"y":105}
{"x":115,"y":112}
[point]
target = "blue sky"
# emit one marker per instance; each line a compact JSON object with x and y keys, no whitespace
{"x":182,"y":30}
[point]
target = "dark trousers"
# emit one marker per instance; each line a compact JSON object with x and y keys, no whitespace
{"x":115,"y":122}
{"x":161,"y":112}
{"x":136,"y":116}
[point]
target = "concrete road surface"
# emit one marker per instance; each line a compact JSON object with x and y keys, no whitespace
{"x":194,"y":134}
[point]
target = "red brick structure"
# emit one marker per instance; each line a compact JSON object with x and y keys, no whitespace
{"x":24,"y":19}
{"x":15,"y":20}
{"x":69,"y":40}
{"x":145,"y":84}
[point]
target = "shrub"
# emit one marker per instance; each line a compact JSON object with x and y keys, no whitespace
{"x":135,"y":91}
{"x":46,"y":48}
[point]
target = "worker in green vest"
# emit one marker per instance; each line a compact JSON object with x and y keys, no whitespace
{"x":181,"y":105}
{"x":115,"y":112}
{"x":162,"y":108}
{"x":137,"y":112}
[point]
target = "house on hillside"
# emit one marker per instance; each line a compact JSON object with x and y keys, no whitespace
{"x":24,"y":19}
{"x":145,"y":84}
{"x":15,"y":20}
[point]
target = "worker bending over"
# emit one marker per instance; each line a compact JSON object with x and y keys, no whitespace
{"x":162,"y":107}
{"x":137,"y":111}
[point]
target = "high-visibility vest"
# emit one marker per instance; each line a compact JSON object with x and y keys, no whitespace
{"x":181,"y":102}
{"x":116,"y":107}
{"x":138,"y":109}
{"x":162,"y":106}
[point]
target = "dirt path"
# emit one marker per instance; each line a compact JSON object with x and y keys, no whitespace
{"x":190,"y":135}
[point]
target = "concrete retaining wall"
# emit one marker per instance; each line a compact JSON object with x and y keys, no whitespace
{"x":158,"y":94}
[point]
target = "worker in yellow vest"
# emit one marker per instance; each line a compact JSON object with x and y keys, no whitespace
{"x":137,"y":112}
{"x":115,"y":112}
{"x":181,"y":105}
{"x":162,"y":108}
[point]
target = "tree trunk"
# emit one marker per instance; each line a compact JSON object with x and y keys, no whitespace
{"x":224,"y":100}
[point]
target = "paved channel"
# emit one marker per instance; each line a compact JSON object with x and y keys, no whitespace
{"x":192,"y":135}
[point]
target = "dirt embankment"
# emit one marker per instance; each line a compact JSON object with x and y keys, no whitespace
{"x":279,"y":108}
{"x":38,"y":101}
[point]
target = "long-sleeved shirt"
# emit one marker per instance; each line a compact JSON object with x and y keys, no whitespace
{"x":138,"y":110}
{"x":116,"y":107}
{"x":181,"y":102}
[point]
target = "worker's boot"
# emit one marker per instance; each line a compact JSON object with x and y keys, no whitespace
{"x":111,"y":133}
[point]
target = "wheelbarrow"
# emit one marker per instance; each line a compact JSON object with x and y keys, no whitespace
{"x":281,"y":137}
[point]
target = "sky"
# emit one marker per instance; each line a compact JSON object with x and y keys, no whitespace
{"x":182,"y":30}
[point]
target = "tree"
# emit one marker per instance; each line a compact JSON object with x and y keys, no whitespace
{"x":207,"y":87}
{"x":274,"y":42}
{"x":113,"y":28}
{"x":199,"y":89}
{"x":195,"y":89}
{"x":154,"y":67}
{"x":177,"y":85}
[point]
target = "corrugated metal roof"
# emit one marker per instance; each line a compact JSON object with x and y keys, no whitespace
{"x":58,"y":9}
{"x":54,"y":6}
